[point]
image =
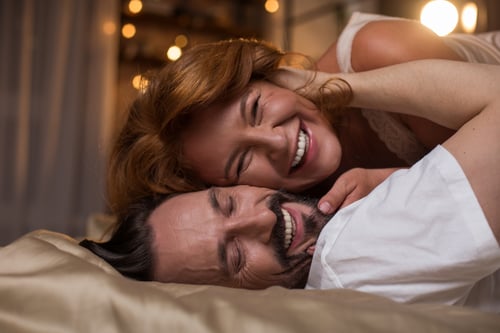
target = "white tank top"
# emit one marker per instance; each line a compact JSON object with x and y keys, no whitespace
{"x":480,"y":48}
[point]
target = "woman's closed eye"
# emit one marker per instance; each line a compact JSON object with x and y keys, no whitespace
{"x":243,"y":162}
{"x":254,"y":111}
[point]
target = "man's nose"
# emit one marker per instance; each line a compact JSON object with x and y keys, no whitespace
{"x":256,"y":226}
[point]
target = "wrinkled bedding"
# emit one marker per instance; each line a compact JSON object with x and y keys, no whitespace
{"x":50,"y":284}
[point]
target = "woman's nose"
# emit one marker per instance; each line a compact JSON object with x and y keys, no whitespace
{"x":272,"y":140}
{"x":258,"y":225}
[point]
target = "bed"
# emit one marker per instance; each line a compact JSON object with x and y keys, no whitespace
{"x":50,"y":284}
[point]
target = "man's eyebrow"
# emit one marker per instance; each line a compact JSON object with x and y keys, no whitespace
{"x":232,"y":157}
{"x":212,"y":198}
{"x":221,"y":247}
{"x":222,"y":255}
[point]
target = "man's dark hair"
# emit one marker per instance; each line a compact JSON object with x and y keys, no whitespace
{"x":129,"y":250}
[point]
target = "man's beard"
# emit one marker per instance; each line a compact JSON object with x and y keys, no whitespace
{"x":296,"y":267}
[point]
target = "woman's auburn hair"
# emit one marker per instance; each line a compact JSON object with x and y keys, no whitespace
{"x":146,"y":157}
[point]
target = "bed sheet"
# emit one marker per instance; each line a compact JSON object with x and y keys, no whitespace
{"x":50,"y":284}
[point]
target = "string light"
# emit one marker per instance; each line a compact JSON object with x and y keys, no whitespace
{"x":272,"y":6}
{"x":128,"y":30}
{"x":135,"y":6}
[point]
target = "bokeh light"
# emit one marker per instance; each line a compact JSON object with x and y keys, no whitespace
{"x":128,"y":30}
{"x":469,"y":17}
{"x":140,"y":83}
{"x":109,"y":28}
{"x":174,"y":52}
{"x":135,"y":6}
{"x":440,"y":16}
{"x":181,"y":41}
{"x":272,"y":6}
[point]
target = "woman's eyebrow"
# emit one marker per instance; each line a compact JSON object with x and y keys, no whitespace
{"x":232,"y":157}
{"x":243,"y":103}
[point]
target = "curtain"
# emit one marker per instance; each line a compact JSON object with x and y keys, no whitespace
{"x":58,"y":68}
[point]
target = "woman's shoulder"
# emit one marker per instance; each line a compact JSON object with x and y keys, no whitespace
{"x":390,"y":41}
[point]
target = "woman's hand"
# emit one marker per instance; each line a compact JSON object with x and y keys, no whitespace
{"x":351,"y":186}
{"x":325,"y":89}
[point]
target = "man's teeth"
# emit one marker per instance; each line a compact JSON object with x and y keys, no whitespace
{"x":303,"y":144}
{"x":289,"y":228}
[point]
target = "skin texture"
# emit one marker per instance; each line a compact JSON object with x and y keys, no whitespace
{"x":234,"y":236}
{"x":260,"y":130}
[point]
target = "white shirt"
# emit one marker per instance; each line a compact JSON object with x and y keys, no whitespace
{"x":420,"y":236}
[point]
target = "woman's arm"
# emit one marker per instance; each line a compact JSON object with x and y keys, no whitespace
{"x":448,"y":93}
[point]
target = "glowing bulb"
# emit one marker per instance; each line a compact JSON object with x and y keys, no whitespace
{"x":440,"y":16}
{"x":128,"y":30}
{"x":272,"y":6}
{"x":469,"y":17}
{"x":135,"y":6}
{"x":174,"y":52}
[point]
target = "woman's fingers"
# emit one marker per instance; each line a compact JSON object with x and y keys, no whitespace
{"x":351,"y":186}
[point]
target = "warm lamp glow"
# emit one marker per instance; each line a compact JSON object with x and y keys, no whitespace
{"x":440,"y":16}
{"x":469,"y":17}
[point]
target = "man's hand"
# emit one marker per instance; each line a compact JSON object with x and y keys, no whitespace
{"x":351,"y":186}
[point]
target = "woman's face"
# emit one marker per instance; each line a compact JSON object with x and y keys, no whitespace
{"x":268,"y":136}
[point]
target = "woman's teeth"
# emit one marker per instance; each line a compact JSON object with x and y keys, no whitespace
{"x":302,"y":146}
{"x":289,"y":228}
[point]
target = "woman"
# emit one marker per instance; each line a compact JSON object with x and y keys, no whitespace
{"x":174,"y":139}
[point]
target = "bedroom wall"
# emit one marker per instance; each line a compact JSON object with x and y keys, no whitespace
{"x":309,"y":27}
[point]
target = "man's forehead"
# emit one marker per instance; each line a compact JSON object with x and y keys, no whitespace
{"x":179,"y":206}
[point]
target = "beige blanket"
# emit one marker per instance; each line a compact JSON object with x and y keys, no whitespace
{"x":50,"y":284}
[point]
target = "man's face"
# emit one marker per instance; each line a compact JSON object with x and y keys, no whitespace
{"x":245,"y":237}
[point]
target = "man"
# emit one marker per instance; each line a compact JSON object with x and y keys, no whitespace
{"x":427,"y":234}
